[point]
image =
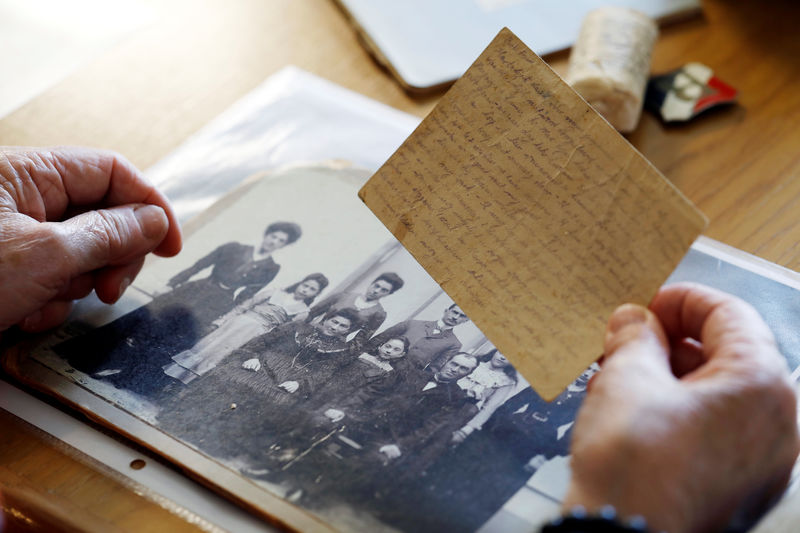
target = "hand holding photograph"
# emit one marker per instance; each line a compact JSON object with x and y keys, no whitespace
{"x":297,"y":359}
{"x":298,"y":348}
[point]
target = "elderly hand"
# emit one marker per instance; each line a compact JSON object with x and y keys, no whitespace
{"x":73,"y":220}
{"x":692,"y":416}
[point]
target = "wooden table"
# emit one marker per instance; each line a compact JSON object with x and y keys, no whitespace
{"x":740,"y":165}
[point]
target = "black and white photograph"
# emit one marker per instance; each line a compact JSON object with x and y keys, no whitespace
{"x":298,"y":346}
{"x":329,"y":266}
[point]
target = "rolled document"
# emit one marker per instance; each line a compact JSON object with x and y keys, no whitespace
{"x":610,"y":63}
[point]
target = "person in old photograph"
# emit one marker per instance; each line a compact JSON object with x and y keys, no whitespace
{"x":257,"y":315}
{"x":422,"y":425}
{"x":238,"y":271}
{"x":255,"y":395}
{"x":395,"y":440}
{"x":489,"y":384}
{"x":691,"y":422}
{"x":131,"y":351}
{"x":433,"y":342}
{"x":354,"y":397}
{"x":385,"y":478}
{"x":370,"y":311}
{"x":523,"y":433}
{"x":351,"y":393}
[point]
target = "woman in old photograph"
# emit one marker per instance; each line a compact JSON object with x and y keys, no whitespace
{"x":238,"y":272}
{"x":131,"y":351}
{"x":347,"y":399}
{"x":356,"y":394}
{"x":260,"y":389}
{"x":350,"y":393}
{"x":370,"y":311}
{"x":260,"y":314}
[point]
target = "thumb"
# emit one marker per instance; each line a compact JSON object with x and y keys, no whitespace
{"x":113,"y":236}
{"x":634,"y":333}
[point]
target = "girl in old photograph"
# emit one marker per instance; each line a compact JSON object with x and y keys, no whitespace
{"x":352,"y":391}
{"x":489,"y":384}
{"x":522,"y":433}
{"x":260,"y":314}
{"x":352,"y":396}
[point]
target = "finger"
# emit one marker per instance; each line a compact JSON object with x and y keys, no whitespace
{"x":54,"y":179}
{"x":632,"y":328}
{"x":111,"y":282}
{"x":636,"y":354}
{"x":714,"y":318}
{"x":687,"y":356}
{"x":125,"y":185}
{"x":78,"y":287}
{"x":111,"y":237}
{"x":52,"y":314}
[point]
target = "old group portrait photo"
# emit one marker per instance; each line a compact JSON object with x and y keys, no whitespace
{"x":298,"y":344}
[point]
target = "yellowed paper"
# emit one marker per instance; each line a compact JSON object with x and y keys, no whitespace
{"x":532,"y":212}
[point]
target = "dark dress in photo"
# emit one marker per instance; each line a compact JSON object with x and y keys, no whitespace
{"x":370,"y":314}
{"x":239,"y":411}
{"x":131,"y":351}
{"x":470,"y":482}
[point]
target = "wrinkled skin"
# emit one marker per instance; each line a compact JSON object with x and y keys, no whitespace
{"x":73,"y":220}
{"x":692,"y":417}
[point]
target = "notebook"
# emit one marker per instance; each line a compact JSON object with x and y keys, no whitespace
{"x":428,"y":44}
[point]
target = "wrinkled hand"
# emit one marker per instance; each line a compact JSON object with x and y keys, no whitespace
{"x":692,"y":417}
{"x":391,"y":451}
{"x":252,"y":364}
{"x":290,"y":386}
{"x":73,"y":220}
{"x":334,"y":415}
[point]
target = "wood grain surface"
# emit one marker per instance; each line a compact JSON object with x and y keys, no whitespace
{"x":47,"y":486}
{"x":143,"y":97}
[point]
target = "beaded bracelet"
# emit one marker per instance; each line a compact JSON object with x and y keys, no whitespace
{"x":605,"y":521}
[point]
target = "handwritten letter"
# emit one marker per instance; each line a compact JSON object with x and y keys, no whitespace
{"x":532,"y":213}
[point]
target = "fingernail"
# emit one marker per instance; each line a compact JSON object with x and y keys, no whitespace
{"x":126,"y":282}
{"x":152,"y":220}
{"x":626,"y":315}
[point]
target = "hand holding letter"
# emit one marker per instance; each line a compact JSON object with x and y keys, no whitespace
{"x":692,"y":416}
